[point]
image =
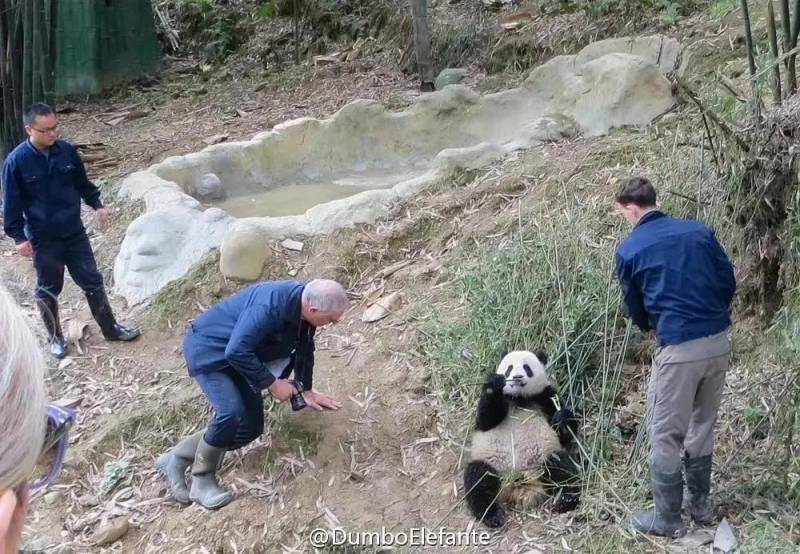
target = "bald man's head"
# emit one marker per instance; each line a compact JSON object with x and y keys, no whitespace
{"x":324,"y":301}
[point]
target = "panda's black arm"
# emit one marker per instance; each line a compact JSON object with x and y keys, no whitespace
{"x":492,"y":406}
{"x":546,"y":400}
{"x":563,"y":420}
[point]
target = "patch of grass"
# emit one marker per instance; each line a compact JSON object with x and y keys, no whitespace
{"x":765,"y":536}
{"x":722,"y":7}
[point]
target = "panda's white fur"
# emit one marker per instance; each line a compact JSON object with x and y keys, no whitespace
{"x":525,"y":438}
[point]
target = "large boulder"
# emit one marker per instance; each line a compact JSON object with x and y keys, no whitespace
{"x":665,"y":52}
{"x":160,"y":246}
{"x":243,"y":254}
{"x":624,"y":90}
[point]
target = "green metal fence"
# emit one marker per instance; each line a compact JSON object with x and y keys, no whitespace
{"x":100,"y":43}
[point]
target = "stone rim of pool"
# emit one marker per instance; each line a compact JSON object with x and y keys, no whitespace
{"x":611,"y":83}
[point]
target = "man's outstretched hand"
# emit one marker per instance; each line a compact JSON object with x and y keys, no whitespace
{"x":320,"y":402}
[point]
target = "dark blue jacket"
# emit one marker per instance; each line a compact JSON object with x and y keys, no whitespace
{"x":675,"y":278}
{"x":42,"y":194}
{"x":257,"y":325}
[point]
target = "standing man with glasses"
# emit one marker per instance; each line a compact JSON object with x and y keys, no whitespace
{"x":44,"y":182}
{"x":677,"y":280}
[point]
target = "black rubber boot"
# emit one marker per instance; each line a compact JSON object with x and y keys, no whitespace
{"x":698,"y":485}
{"x":665,"y":520}
{"x":48,"y":309}
{"x":104,"y":316}
{"x":173,"y":464}
{"x":205,"y":489}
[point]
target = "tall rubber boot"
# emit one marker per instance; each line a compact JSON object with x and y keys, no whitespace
{"x":698,"y":485}
{"x":104,"y":316}
{"x":48,"y":309}
{"x":173,"y":464}
{"x":205,"y":488}
{"x":665,"y":520}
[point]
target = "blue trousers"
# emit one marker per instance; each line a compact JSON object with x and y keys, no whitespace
{"x":51,"y":256}
{"x":238,"y":409}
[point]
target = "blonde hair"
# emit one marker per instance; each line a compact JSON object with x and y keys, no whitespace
{"x":22,"y":395}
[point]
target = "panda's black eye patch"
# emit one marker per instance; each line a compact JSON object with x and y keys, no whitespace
{"x":508,"y":371}
{"x":527,"y":369}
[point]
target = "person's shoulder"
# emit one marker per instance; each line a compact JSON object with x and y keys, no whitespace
{"x":66,"y":147}
{"x":19,"y":153}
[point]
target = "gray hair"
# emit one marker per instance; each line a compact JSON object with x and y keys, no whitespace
{"x":325,"y":295}
{"x":22,"y":395}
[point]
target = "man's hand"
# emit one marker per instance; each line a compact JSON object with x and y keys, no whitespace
{"x":102,"y":216}
{"x":320,"y":402}
{"x":282,"y":390}
{"x":25,"y":249}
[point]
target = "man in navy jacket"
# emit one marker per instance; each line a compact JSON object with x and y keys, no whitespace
{"x":44,"y":182}
{"x":677,"y":280}
{"x":238,"y":348}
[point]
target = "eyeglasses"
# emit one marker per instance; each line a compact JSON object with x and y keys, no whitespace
{"x":46,"y":131}
{"x":59,"y":422}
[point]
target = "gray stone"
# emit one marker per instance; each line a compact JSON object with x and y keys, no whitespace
{"x":209,"y":187}
{"x":242,"y":254}
{"x":449,"y":76}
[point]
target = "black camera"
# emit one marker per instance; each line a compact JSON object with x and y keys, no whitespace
{"x":298,"y":402}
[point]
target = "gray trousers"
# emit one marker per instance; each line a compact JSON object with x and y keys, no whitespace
{"x":683,"y":397}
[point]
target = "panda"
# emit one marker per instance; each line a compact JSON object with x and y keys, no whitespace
{"x":520,"y":435}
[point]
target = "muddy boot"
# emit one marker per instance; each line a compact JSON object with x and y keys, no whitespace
{"x":205,"y":489}
{"x":698,"y":484}
{"x":48,"y":309}
{"x":172,"y":465}
{"x":665,"y":520}
{"x":104,"y":316}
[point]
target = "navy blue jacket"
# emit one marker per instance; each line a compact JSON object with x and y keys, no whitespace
{"x":42,"y":194}
{"x":675,"y":278}
{"x":257,"y":325}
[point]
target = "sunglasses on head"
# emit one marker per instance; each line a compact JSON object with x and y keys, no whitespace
{"x":59,"y":422}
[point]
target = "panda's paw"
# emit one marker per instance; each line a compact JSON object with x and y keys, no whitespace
{"x":495,"y":519}
{"x":564,"y":416}
{"x":495,"y":382}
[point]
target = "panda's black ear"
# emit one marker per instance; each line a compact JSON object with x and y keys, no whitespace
{"x":500,"y":352}
{"x":542,"y":355}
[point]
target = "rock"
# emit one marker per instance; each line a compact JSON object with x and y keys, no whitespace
{"x":449,"y":76}
{"x":693,"y":541}
{"x":656,"y":49}
{"x":553,"y":127}
{"x":51,"y":498}
{"x":161,"y":245}
{"x":625,"y":90}
{"x":111,"y":532}
{"x":242,"y":255}
{"x":724,"y":539}
{"x":382,"y":308}
{"x":209,"y":187}
{"x":294,"y":245}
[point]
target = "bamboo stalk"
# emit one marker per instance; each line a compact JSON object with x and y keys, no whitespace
{"x":791,"y":79}
{"x":795,"y":32}
{"x":748,"y":36}
{"x":773,"y":46}
{"x":711,"y":115}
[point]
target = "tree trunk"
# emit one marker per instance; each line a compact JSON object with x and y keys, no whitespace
{"x":422,"y":43}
